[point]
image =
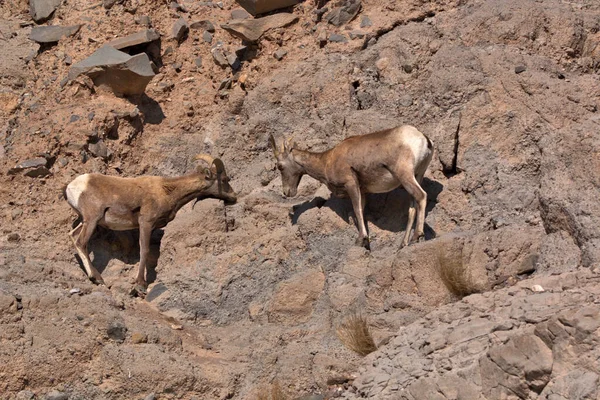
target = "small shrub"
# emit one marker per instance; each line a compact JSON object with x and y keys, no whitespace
{"x":354,"y":333}
{"x":455,"y":275}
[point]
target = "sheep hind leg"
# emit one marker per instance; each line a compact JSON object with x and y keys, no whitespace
{"x":409,"y":223}
{"x":412,"y":186}
{"x":358,"y":203}
{"x":81,"y":236}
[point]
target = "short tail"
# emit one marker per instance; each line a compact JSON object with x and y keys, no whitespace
{"x":429,"y":142}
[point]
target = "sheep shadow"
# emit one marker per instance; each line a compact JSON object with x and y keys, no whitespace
{"x":106,"y":245}
{"x":387,"y":211}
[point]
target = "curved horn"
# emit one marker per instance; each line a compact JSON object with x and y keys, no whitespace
{"x":219,"y":165}
{"x":204,"y":157}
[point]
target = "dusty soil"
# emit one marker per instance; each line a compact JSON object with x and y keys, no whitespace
{"x":509,"y":92}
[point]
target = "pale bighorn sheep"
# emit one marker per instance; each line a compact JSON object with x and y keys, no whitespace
{"x":374,"y":163}
{"x":144,"y":203}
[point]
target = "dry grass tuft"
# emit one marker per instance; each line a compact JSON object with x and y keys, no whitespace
{"x":354,"y":333}
{"x":455,"y":274}
{"x":274,"y":392}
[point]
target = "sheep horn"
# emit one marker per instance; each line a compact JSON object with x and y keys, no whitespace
{"x":205,"y":157}
{"x":219,"y":165}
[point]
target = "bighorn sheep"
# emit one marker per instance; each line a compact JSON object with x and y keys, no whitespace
{"x":144,"y":203}
{"x":374,"y":163}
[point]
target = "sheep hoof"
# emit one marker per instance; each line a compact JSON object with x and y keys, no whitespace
{"x":419,"y":238}
{"x":364,"y":242}
{"x":138,"y":290}
{"x":97,"y":280}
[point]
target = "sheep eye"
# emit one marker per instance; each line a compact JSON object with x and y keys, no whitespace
{"x":280,"y":167}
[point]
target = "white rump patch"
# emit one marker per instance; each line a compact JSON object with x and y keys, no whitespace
{"x":75,"y":188}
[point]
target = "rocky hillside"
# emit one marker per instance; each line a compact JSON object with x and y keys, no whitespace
{"x":246,"y":299}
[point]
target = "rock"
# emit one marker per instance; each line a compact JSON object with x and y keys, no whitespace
{"x":293,"y":300}
{"x":233,"y":60}
{"x":524,"y":363}
{"x":38,"y":172}
{"x":322,"y":38}
{"x":204,"y":24}
{"x":520,"y":68}
{"x":255,"y":7}
{"x":207,"y":37}
{"x":13,"y":237}
{"x":357,"y":34}
{"x":142,"y":37}
{"x":537,"y":289}
{"x":406,"y":100}
{"x":108,"y":4}
{"x":117,"y":331}
{"x":180,"y":30}
{"x":151,"y":396}
{"x":138,"y":337}
{"x":122,"y":73}
{"x":156,"y":291}
{"x":219,"y":57}
{"x":342,"y":15}
{"x":252,"y":29}
{"x":279,"y":54}
{"x":198,"y":61}
{"x":337,"y":38}
{"x":144,"y":20}
{"x":225,"y":84}
{"x":239,"y":13}
{"x":28,"y":164}
{"x":56,"y":395}
{"x":52,"y":34}
{"x":407,"y":68}
{"x":365,"y":22}
{"x":25,"y":395}
{"x":99,"y":149}
{"x":41,"y":10}
{"x":177,"y":66}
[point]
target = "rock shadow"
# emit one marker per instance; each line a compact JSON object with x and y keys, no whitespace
{"x":106,"y":245}
{"x":387,"y":211}
{"x":153,"y":113}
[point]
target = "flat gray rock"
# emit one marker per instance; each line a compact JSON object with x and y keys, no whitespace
{"x":344,"y":14}
{"x":204,"y":24}
{"x":28,"y":164}
{"x":122,"y":73}
{"x":262,"y":6}
{"x":52,"y":34}
{"x":252,"y":29}
{"x":142,"y":37}
{"x":41,"y":10}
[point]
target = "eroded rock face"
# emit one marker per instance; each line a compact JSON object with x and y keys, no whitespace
{"x":513,"y":342}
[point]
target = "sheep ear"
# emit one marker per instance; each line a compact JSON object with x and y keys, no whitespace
{"x":290,"y":143}
{"x":208,"y":174}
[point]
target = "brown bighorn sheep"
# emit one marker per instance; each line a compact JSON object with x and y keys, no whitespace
{"x":144,"y":203}
{"x":374,"y":163}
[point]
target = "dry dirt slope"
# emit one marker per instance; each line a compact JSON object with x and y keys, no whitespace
{"x":508,"y":90}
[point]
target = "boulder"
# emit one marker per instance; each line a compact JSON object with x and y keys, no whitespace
{"x":180,"y":30}
{"x":142,"y":37}
{"x":204,"y":24}
{"x":252,"y":29}
{"x":52,"y":34}
{"x":262,"y":6}
{"x":342,"y":15}
{"x":122,"y":73}
{"x":30,"y":164}
{"x":41,"y":10}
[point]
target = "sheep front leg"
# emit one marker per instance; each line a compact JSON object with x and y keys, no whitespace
{"x":358,"y":203}
{"x":145,"y":233}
